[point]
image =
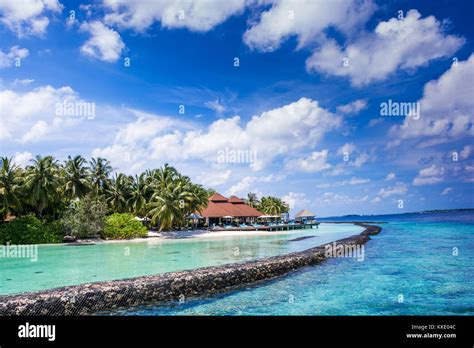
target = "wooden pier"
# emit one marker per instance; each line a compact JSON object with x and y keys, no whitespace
{"x":283,"y":227}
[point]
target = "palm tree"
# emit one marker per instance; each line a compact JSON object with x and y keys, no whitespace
{"x":76,"y":177}
{"x":9,"y":185}
{"x":252,"y":200}
{"x":174,"y":198}
{"x":116,"y":194}
{"x":99,"y":174}
{"x":139,"y":193}
{"x":43,"y":182}
{"x":167,"y":207}
{"x":272,"y":206}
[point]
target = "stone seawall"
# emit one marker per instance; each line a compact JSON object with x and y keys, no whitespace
{"x":86,"y":299}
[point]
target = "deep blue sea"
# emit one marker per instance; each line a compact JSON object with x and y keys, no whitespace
{"x":420,"y":264}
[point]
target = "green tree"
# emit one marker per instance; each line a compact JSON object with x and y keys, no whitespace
{"x":116,"y":194}
{"x":76,"y":177}
{"x":42,"y":182}
{"x":272,"y":206}
{"x":99,"y":174}
{"x":123,"y":226}
{"x":252,"y":200}
{"x":85,"y":218}
{"x":139,"y":194}
{"x":10,"y":181}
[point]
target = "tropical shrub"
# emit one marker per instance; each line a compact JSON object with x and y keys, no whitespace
{"x":123,"y":226}
{"x":85,"y":218}
{"x":31,"y":230}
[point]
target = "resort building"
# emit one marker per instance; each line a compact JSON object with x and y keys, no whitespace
{"x":221,"y":210}
{"x":305,"y":216}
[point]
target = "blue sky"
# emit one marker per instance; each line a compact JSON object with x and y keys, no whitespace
{"x":305,"y":98}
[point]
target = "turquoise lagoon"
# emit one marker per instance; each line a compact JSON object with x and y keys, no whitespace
{"x":420,"y":264}
{"x":62,"y":265}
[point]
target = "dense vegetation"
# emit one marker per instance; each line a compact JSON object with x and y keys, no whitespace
{"x":51,"y":199}
{"x":123,"y":226}
{"x":268,"y":205}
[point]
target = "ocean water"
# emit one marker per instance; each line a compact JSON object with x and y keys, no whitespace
{"x":417,"y":265}
{"x":61,"y":265}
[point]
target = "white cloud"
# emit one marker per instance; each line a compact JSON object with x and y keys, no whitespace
{"x":390,"y":176}
{"x":329,"y":198}
{"x":467,"y":151}
{"x":446,"y":108}
{"x":247,"y":184}
{"x":216,"y":106}
{"x":404,"y":44}
{"x":295,"y":200}
{"x":347,"y":148}
{"x":36,"y":133}
{"x":305,"y":19}
{"x":195,"y":15}
{"x":400,"y":188}
{"x":29,"y":111}
{"x":8,"y":58}
{"x":446,"y":191}
{"x":316,"y":162}
{"x":23,"y":158}
{"x":279,"y":132}
{"x":429,"y":176}
{"x":375,"y":121}
{"x":352,"y":181}
{"x":105,"y":43}
{"x":27,"y":17}
{"x":212,"y":178}
{"x":354,"y":107}
{"x":22,"y":82}
{"x":360,"y":160}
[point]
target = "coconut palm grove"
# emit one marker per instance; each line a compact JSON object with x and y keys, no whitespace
{"x":48,"y":201}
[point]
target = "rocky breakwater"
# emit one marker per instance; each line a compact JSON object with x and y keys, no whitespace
{"x":91,"y":298}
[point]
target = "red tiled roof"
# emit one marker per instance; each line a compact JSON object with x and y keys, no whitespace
{"x":217,"y":197}
{"x":236,"y":200}
{"x":219,"y":206}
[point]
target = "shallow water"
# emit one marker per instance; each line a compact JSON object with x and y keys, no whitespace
{"x":410,"y":268}
{"x":61,"y":265}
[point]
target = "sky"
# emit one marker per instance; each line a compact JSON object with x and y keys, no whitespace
{"x":339,"y":107}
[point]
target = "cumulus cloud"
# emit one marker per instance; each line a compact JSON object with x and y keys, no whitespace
{"x":404,"y":44}
{"x":446,"y":191}
{"x":335,"y":198}
{"x":447,"y":107}
{"x":306,"y":20}
{"x":22,"y":158}
{"x":216,"y":106}
{"x":31,"y":114}
{"x":212,"y":178}
{"x":353,"y":108}
{"x":400,"y":188}
{"x":104,"y":44}
{"x":28,"y":17}
{"x":195,"y":15}
{"x":316,"y":162}
{"x":295,"y":200}
{"x":7,"y":59}
{"x":247,"y":183}
{"x":467,"y":151}
{"x":390,"y":176}
{"x":429,"y":176}
{"x":347,"y":148}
